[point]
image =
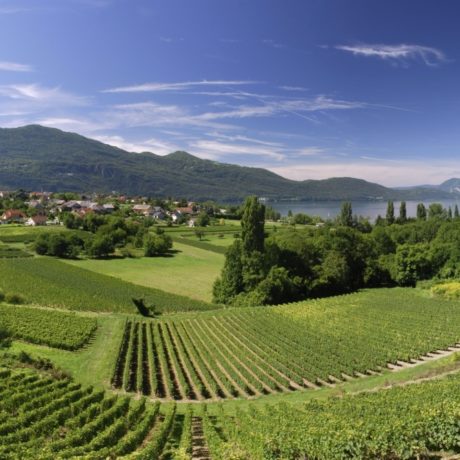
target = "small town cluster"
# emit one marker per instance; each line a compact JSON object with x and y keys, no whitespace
{"x":45,"y":208}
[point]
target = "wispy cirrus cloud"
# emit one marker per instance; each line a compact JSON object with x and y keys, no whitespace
{"x":215,"y":149}
{"x":35,"y":93}
{"x":402,"y":52}
{"x":177,"y":86}
{"x":14,"y":66}
{"x":273,"y":43}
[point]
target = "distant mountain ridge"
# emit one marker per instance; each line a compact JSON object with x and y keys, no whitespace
{"x":39,"y":158}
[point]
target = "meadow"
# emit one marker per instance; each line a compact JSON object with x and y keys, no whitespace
{"x":188,"y":271}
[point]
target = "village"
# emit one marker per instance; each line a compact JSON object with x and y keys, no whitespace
{"x":47,"y":208}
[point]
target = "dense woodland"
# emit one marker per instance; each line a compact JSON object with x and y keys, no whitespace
{"x":340,"y":256}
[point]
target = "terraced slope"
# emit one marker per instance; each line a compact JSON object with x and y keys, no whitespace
{"x":48,"y":418}
{"x":251,"y":352}
{"x":46,"y":327}
{"x":412,"y":422}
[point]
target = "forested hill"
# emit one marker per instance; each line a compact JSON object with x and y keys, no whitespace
{"x":38,"y":158}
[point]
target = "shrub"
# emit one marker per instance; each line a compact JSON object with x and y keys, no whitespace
{"x":5,"y":338}
{"x":15,"y":299}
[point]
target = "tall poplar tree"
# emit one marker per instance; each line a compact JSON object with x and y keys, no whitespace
{"x":390,"y":213}
{"x":421,"y":212}
{"x":346,"y":214}
{"x":252,"y":226}
{"x":402,"y":212}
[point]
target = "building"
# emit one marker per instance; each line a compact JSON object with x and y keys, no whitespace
{"x":37,"y":220}
{"x":13,"y":216}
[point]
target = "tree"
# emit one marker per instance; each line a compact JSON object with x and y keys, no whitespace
{"x":390,"y":217}
{"x":100,"y":246}
{"x":436,"y":211}
{"x":456,"y":213}
{"x":412,"y":263}
{"x":230,"y":284}
{"x":421,"y":212}
{"x":402,"y":212}
{"x":203,"y":219}
{"x":346,"y":214}
{"x":252,"y":224}
{"x":199,"y":233}
{"x":156,"y":245}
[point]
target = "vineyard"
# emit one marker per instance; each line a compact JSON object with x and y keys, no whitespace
{"x":54,"y":418}
{"x":253,"y":352}
{"x":53,"y":328}
{"x":50,"y":282}
{"x":47,"y":416}
{"x":415,"y":421}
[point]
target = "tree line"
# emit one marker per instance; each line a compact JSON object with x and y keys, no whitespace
{"x":344,"y":255}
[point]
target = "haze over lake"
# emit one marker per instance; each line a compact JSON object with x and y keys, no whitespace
{"x":370,"y":209}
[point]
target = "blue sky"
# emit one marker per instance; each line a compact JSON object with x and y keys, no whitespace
{"x":305,"y":88}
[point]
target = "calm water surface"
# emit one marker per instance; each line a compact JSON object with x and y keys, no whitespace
{"x":370,"y":209}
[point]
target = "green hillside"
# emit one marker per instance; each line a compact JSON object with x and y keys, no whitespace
{"x":38,"y":158}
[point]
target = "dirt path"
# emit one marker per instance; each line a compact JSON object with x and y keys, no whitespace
{"x":200,"y":449}
{"x":432,"y":356}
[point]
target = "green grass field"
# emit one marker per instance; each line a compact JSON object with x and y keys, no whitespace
{"x":189,"y":272}
{"x":51,"y":282}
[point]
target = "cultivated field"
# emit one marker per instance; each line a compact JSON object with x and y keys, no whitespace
{"x":259,"y":351}
{"x":188,"y":272}
{"x":51,"y":282}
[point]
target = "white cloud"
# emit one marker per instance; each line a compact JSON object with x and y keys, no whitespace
{"x":13,"y":10}
{"x":178,"y":86}
{"x":272,"y":43}
{"x":14,"y":66}
{"x":152,"y":145}
{"x":294,"y":107}
{"x":34,"y":93}
{"x":292,"y":88}
{"x":212,"y":149}
{"x":430,"y":56}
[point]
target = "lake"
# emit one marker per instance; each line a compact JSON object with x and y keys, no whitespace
{"x":370,"y":209}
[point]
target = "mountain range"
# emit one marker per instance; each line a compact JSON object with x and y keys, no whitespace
{"x":40,"y":158}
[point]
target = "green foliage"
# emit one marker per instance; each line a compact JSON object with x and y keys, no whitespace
{"x":252,"y":226}
{"x":346,"y":215}
{"x":421,"y":211}
{"x":98,"y":167}
{"x":402,"y":212}
{"x":253,"y":351}
{"x":230,"y":284}
{"x":203,"y":219}
{"x":14,"y":298}
{"x":66,"y":245}
{"x":101,"y":246}
{"x":157,"y":244}
{"x":399,"y":423}
{"x":5,"y":336}
{"x":53,"y":283}
{"x":7,"y":252}
{"x":52,"y":328}
{"x":390,"y":216}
